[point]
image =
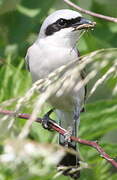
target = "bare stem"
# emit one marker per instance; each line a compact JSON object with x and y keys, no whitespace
{"x":108,"y":18}
{"x":62,"y":131}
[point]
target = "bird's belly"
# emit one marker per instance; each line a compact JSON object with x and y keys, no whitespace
{"x":46,"y":60}
{"x":64,"y":102}
{"x":68,"y":100}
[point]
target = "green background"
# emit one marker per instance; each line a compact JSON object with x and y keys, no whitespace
{"x":20,"y":21}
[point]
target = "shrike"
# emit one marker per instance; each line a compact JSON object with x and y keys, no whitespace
{"x":54,"y":47}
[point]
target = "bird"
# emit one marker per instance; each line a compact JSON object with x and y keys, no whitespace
{"x":55,"y":46}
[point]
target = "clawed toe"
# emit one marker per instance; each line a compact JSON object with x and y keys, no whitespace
{"x":46,"y":120}
{"x":67,"y":136}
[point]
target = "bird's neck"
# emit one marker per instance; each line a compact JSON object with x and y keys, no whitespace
{"x":59,"y":42}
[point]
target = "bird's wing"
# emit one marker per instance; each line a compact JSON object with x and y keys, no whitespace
{"x":83,"y":75}
{"x":27,"y":61}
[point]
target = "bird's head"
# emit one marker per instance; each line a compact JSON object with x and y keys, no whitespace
{"x":64,"y":27}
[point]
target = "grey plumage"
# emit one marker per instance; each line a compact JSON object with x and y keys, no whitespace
{"x":54,"y":47}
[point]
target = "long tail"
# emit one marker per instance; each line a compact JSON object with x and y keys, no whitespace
{"x":69,"y":159}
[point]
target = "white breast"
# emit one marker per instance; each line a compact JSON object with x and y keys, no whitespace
{"x":45,"y":59}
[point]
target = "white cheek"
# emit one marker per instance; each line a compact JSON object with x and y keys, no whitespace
{"x":64,"y":38}
{"x":68,"y":33}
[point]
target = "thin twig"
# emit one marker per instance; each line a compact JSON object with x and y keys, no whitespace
{"x":62,"y":131}
{"x":108,"y":18}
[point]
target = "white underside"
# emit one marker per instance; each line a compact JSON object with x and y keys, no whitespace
{"x":43,"y":59}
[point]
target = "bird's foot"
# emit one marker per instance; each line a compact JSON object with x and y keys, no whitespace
{"x":67,"y":136}
{"x":72,"y":171}
{"x":46,"y":120}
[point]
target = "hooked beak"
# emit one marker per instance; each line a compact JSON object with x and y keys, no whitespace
{"x":83,"y":24}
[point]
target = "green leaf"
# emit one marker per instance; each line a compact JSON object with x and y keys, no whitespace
{"x":99,"y":119}
{"x":28,"y":12}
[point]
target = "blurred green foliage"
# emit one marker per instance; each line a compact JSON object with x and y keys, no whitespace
{"x":20,"y":21}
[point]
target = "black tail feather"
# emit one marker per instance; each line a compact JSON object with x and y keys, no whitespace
{"x":72,"y":161}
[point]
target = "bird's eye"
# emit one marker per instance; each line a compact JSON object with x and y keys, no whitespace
{"x":78,"y":19}
{"x":62,"y":22}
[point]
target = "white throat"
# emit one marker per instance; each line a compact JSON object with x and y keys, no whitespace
{"x":61,"y":39}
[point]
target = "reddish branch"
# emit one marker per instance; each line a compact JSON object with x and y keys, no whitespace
{"x":62,"y":131}
{"x":108,"y":18}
